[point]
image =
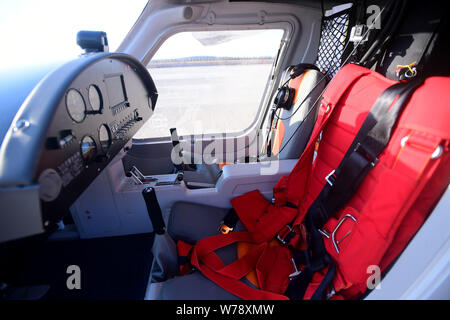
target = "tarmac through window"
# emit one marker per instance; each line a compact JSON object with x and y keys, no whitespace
{"x":210,"y":81}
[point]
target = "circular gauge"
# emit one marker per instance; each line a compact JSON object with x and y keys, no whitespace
{"x":88,"y":148}
{"x":95,"y":98}
{"x":75,"y":105}
{"x":104,"y":136}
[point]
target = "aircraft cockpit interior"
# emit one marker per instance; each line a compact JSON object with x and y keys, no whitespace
{"x":234,"y":150}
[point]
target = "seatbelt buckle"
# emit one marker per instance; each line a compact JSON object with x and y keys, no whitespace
{"x":224,"y":229}
{"x":367,"y":154}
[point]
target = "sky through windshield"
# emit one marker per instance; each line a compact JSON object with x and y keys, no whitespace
{"x":37,"y":32}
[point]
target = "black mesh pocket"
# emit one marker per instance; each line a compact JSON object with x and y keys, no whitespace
{"x":334,"y":35}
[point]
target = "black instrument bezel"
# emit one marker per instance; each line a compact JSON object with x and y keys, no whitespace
{"x":67,"y":105}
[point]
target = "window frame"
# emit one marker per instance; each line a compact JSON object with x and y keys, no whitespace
{"x":271,"y":84}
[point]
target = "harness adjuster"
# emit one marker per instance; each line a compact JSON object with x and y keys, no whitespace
{"x":331,"y":178}
{"x":333,"y":234}
{"x":367,"y":154}
{"x":296,"y":272}
{"x":331,"y":293}
{"x":286,"y":235}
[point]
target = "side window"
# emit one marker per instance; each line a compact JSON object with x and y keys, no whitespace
{"x":210,"y":81}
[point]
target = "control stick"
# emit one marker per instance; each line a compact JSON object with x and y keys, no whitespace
{"x":154,"y":210}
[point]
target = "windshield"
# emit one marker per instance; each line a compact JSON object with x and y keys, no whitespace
{"x":39,"y":32}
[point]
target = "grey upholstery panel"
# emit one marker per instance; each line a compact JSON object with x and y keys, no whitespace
{"x":191,"y":222}
{"x":205,"y":173}
{"x":192,"y":286}
{"x":165,"y":258}
{"x":188,"y":222}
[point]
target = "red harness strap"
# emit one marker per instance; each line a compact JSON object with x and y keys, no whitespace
{"x":351,"y":238}
{"x":227,"y":277}
{"x":396,"y":197}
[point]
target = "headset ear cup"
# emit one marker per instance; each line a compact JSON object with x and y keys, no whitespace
{"x":284,"y":97}
{"x":290,"y":99}
{"x":279,"y":98}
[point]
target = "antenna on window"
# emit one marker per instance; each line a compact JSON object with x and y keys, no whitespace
{"x":92,"y":41}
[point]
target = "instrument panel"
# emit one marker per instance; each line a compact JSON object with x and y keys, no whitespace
{"x":102,"y":108}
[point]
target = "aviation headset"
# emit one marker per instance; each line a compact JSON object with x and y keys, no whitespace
{"x":285,"y":95}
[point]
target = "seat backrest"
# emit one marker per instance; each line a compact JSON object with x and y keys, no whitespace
{"x":293,"y":127}
{"x":398,"y":194}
